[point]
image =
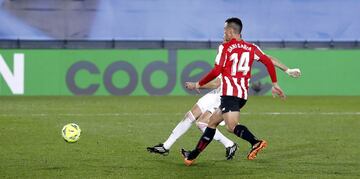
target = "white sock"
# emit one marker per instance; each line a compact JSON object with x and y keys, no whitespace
{"x":218,"y":135}
{"x":183,"y":126}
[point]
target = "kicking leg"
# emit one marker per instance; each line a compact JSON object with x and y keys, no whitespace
{"x":177,"y":132}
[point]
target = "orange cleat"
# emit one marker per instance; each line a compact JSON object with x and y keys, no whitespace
{"x":188,"y":162}
{"x":185,"y":155}
{"x":256,"y":148}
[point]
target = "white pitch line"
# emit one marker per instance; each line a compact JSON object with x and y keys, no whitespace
{"x":304,"y":113}
{"x":175,"y":114}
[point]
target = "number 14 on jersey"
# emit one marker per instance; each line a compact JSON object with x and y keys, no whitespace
{"x":242,"y":65}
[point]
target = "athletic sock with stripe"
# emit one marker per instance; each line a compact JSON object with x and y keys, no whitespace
{"x":205,"y":139}
{"x":244,"y":133}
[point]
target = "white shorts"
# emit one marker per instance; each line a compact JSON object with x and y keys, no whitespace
{"x":209,"y":102}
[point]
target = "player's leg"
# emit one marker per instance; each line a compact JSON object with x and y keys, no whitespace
{"x":177,"y":132}
{"x":230,"y":146}
{"x":202,"y":123}
{"x":183,"y":126}
{"x":206,"y":138}
{"x":232,"y":124}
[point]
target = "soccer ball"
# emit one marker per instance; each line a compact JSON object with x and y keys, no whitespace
{"x":71,"y":132}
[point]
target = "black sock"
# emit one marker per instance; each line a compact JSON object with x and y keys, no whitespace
{"x":205,"y":139}
{"x":244,"y":133}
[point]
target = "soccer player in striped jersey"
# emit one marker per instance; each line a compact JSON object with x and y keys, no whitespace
{"x":233,"y":63}
{"x":203,"y":109}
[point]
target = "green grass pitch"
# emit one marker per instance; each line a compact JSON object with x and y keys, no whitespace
{"x":309,"y":137}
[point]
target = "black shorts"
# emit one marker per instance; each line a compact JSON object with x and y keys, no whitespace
{"x":231,"y":103}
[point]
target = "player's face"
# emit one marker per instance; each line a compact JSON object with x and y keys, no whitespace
{"x":228,"y":33}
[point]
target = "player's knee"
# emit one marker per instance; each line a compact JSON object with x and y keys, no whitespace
{"x":189,"y":115}
{"x":204,"y":117}
{"x":230,"y":127}
{"x":195,"y":111}
{"x":201,"y":125}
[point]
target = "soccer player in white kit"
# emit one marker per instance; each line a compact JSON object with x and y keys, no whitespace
{"x":202,"y":111}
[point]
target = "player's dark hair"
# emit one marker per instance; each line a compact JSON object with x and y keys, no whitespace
{"x":235,"y":23}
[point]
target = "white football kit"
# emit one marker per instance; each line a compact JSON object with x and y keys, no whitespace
{"x":210,"y":101}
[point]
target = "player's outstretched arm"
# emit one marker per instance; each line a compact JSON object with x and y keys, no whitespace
{"x":270,"y":67}
{"x":295,"y":72}
{"x":211,"y":85}
{"x":276,"y":90}
{"x":216,"y":71}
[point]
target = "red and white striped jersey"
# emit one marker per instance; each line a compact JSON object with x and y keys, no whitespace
{"x":233,"y":62}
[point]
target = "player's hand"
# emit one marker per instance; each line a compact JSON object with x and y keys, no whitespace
{"x":276,"y":90}
{"x":192,"y":86}
{"x":295,"y":73}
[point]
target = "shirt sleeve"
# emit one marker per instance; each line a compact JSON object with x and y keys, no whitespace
{"x":264,"y":59}
{"x":216,"y":71}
